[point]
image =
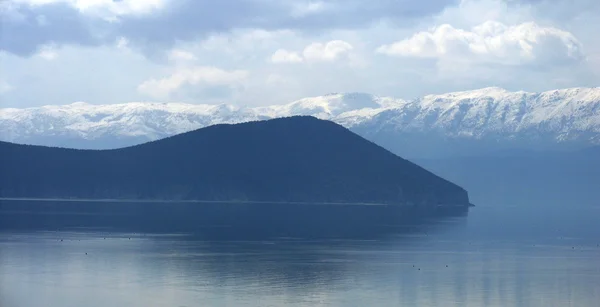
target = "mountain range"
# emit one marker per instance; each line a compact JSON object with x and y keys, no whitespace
{"x":453,"y":124}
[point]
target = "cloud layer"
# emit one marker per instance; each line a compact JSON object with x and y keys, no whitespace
{"x":259,"y":52}
{"x":164,"y":22}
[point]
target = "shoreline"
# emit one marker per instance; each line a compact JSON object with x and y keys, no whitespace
{"x":116,"y":200}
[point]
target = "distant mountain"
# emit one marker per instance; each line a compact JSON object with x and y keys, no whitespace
{"x":460,"y":123}
{"x":295,"y":159}
{"x":521,"y":179}
{"x":487,"y":121}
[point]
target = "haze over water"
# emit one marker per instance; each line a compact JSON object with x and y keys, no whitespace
{"x":495,"y":256}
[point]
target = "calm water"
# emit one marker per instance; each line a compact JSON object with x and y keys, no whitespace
{"x":495,"y":256}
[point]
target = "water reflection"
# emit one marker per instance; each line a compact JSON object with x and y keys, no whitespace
{"x":427,"y":262}
{"x":223,"y":221}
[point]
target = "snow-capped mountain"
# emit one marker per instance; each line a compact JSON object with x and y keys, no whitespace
{"x":488,"y":120}
{"x":461,"y":122}
{"x":84,"y":125}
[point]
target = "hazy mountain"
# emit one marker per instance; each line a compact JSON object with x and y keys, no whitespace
{"x":460,"y":123}
{"x":520,"y":179}
{"x":295,"y":159}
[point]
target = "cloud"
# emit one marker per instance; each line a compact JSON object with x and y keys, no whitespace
{"x":202,"y":76}
{"x":309,"y":8}
{"x":284,"y":56}
{"x":109,"y":9}
{"x":177,"y":55}
{"x":314,"y":52}
{"x":244,"y":41}
{"x":161,"y":24}
{"x":23,"y":34}
{"x":47,"y":53}
{"x":112,"y":54}
{"x":122,"y":44}
{"x":329,"y":51}
{"x":491,"y":42}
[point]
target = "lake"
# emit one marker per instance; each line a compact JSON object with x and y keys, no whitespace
{"x":496,"y":255}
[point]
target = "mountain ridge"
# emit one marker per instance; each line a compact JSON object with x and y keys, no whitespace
{"x":466,"y":120}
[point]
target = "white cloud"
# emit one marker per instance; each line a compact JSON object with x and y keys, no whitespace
{"x":122,"y":43}
{"x":329,"y":51}
{"x":47,"y":53}
{"x":181,"y":55}
{"x":314,"y":52}
{"x":285,"y":56}
{"x":200,"y":76}
{"x":491,"y":42}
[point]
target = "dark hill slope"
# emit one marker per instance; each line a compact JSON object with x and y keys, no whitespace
{"x":290,"y":159}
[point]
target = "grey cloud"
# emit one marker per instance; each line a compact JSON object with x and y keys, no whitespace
{"x":21,"y":32}
{"x":195,"y":19}
{"x":358,"y":13}
{"x":186,"y":20}
{"x":190,"y":20}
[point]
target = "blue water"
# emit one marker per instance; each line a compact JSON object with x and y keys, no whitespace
{"x":494,"y":256}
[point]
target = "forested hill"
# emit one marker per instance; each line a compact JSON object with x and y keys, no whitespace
{"x":294,"y":159}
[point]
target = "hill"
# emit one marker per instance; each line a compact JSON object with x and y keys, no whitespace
{"x":295,"y":159}
{"x":452,"y":124}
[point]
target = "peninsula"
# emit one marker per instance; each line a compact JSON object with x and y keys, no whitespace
{"x":293,"y":159}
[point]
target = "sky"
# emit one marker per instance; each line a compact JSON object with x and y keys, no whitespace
{"x":264,"y":52}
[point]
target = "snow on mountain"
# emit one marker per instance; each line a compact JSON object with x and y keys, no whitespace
{"x":331,"y":106}
{"x":156,"y":120}
{"x":150,"y":120}
{"x":566,"y":114}
{"x":491,"y":115}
